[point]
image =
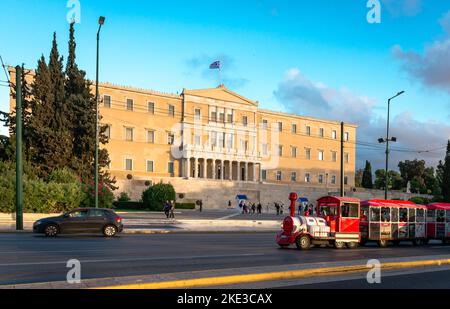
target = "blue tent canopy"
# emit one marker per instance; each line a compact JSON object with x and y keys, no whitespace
{"x":242,"y":197}
{"x":303,"y":200}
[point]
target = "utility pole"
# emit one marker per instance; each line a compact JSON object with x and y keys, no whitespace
{"x":19,"y":166}
{"x":101,"y":21}
{"x":342,"y":176}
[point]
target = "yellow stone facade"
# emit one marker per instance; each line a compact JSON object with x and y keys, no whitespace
{"x":218,"y":134}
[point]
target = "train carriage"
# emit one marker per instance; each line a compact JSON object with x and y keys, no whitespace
{"x":438,"y":222}
{"x":392,"y":220}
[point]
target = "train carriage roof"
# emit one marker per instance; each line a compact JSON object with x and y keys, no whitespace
{"x":439,"y":206}
{"x":391,"y":203}
{"x":337,"y":199}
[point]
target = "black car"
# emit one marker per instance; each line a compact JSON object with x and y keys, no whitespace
{"x":85,"y":220}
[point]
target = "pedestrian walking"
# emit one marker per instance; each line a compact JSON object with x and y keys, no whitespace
{"x":172,"y":210}
{"x":200,"y":205}
{"x":229,"y":204}
{"x":277,"y":207}
{"x":253,"y":208}
{"x":259,"y":207}
{"x":281,"y":209}
{"x":167,"y":209}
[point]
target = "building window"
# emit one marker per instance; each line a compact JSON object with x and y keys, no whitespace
{"x":170,"y":138}
{"x":308,"y":153}
{"x":151,"y":108}
{"x":279,"y":175}
{"x":346,"y":180}
{"x":308,"y":130}
{"x":129,"y":134}
{"x":280,"y":126}
{"x":150,"y":167}
{"x":198,"y":114}
{"x":265,"y":149}
{"x":307,"y":177}
{"x":107,"y":101}
{"x":130,"y":104}
{"x":346,"y":159}
{"x":150,"y":136}
{"x":129,"y":164}
{"x":280,"y":150}
{"x":334,"y":134}
{"x":265,"y":124}
{"x":264,"y":175}
{"x":171,"y":111}
{"x":229,"y":138}
{"x":222,"y":117}
{"x":321,"y":132}
{"x":244,"y":145}
{"x":245,"y":120}
{"x":333,"y":179}
{"x":230,"y":118}
{"x":214,"y":116}
{"x":334,"y":156}
{"x":346,"y":136}
{"x":293,"y":176}
{"x":197,"y":140}
{"x":108,"y":131}
{"x":320,"y":178}
{"x":321,"y":157}
{"x":294,"y":152}
{"x":170,"y":168}
{"x":294,"y":128}
{"x":213,"y":138}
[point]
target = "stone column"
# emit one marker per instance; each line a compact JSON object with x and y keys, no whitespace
{"x":230,"y":177}
{"x":205,"y":169}
{"x":188,"y":168}
{"x":246,"y":171}
{"x":255,"y":179}
{"x":214,"y":169}
{"x":196,"y":168}
{"x":222,"y":169}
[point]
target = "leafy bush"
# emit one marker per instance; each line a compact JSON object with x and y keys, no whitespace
{"x":105,"y":196}
{"x":39,"y":196}
{"x":185,"y":205}
{"x":155,"y":196}
{"x":64,"y":175}
{"x":129,"y":205}
{"x":123,"y":197}
{"x":420,"y":200}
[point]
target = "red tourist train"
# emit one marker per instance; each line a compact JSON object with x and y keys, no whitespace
{"x":347,"y":222}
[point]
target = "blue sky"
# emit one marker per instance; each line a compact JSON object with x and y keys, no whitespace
{"x":272,"y":51}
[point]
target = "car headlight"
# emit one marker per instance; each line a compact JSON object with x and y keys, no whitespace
{"x":38,"y":222}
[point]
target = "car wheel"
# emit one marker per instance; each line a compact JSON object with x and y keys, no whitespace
{"x":109,"y":231}
{"x":303,"y":242}
{"x":51,"y":230}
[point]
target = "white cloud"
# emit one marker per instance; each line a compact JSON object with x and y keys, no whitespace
{"x":399,"y":8}
{"x":303,"y":96}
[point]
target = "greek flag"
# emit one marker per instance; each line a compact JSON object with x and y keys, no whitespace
{"x":215,"y":65}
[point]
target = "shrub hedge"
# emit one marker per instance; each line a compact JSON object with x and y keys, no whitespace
{"x":155,"y":196}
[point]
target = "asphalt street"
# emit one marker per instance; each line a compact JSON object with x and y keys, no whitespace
{"x":28,"y":258}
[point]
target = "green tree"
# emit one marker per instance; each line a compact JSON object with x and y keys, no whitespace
{"x":358,"y":178}
{"x":367,"y":176}
{"x":443,"y":175}
{"x":155,"y":196}
{"x":395,"y":180}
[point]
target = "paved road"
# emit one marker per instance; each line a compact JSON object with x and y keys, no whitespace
{"x":28,"y":258}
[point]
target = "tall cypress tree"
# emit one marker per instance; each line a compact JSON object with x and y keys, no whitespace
{"x":367,"y":181}
{"x":81,"y":106}
{"x":443,"y":175}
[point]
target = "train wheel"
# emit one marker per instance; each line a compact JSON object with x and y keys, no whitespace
{"x":339,"y":245}
{"x":363,"y":242}
{"x":283,"y":246}
{"x":445,"y":241}
{"x":396,"y":243}
{"x":382,"y":243}
{"x":303,"y":242}
{"x":417,"y":242}
{"x":426,"y":241}
{"x":352,"y":245}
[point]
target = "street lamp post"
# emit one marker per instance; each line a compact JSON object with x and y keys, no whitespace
{"x":101,"y":21}
{"x":387,"y":140}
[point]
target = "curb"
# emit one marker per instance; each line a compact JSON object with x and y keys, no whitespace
{"x":283,"y":275}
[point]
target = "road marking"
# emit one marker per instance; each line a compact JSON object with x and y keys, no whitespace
{"x":53,"y":251}
{"x":133,"y":259}
{"x":283,"y":275}
{"x":229,"y":216}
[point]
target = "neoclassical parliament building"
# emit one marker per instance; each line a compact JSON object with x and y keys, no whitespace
{"x":207,"y":137}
